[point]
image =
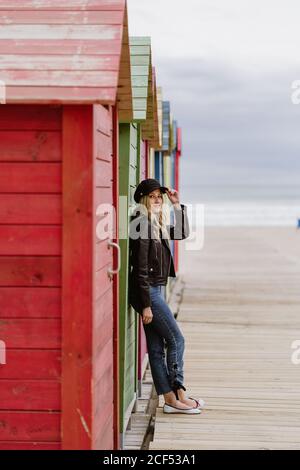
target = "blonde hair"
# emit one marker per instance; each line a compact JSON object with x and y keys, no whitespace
{"x":159,"y":221}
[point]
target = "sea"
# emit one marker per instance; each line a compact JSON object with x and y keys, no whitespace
{"x":243,"y":204}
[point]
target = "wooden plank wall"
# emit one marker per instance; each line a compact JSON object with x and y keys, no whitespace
{"x":77,"y":277}
{"x":166,"y":126}
{"x":160,"y":115}
{"x":88,"y":367}
{"x":103,"y":406}
{"x":141,"y":175}
{"x":128,"y":323}
{"x":132,"y":332}
{"x":158,"y":166}
{"x":30,"y":276}
{"x":151,"y":163}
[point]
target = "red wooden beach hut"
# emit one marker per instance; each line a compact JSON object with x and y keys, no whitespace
{"x":178,"y":150}
{"x":65,"y":66}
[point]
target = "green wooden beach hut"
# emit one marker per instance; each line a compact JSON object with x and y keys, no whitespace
{"x":132,"y":138}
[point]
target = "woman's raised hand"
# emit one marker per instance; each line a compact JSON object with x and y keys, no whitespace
{"x":173,"y":196}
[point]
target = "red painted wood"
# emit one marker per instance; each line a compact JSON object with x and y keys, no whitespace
{"x":61,"y":31}
{"x":102,"y":309}
{"x":103,"y":366}
{"x":74,"y":95}
{"x":30,"y":209}
{"x":19,"y":445}
{"x":29,"y":333}
{"x":29,"y":146}
{"x":103,"y":147}
{"x":176,"y":182}
{"x":77,"y":277}
{"x":58,"y":5}
{"x":36,"y":118}
{"x":36,"y":329}
{"x":30,"y":302}
{"x":103,"y":121}
{"x":36,"y":44}
{"x":30,"y":271}
{"x":115,"y":443}
{"x":103,"y":195}
{"x":103,"y":254}
{"x":64,"y":17}
{"x":30,"y":240}
{"x":30,"y":177}
{"x":103,"y":231}
{"x":103,"y":357}
{"x":95,"y":344}
{"x":45,"y":47}
{"x":179,"y":140}
{"x":31,"y":364}
{"x":102,"y":282}
{"x":30,"y":395}
{"x":116,"y":394}
{"x":103,"y":287}
{"x":176,"y":170}
{"x":29,"y":426}
{"x":53,"y":78}
{"x":60,"y":62}
{"x":60,"y":47}
{"x":103,"y":173}
{"x":30,"y":274}
{"x":177,"y":174}
{"x":103,"y":439}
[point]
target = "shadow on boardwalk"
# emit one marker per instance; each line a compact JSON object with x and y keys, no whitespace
{"x":240,"y":314}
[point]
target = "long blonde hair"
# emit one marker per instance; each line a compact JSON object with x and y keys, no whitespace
{"x":160,"y":221}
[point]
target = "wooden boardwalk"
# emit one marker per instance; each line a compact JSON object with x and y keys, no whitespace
{"x":240,"y":314}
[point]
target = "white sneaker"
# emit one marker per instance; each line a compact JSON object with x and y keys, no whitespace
{"x":188,"y":411}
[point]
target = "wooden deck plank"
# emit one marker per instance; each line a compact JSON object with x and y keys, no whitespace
{"x":239,"y":315}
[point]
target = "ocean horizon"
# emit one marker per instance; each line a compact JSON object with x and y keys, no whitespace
{"x":245,"y":205}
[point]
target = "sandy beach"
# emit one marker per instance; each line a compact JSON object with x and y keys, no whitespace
{"x":240,"y":314}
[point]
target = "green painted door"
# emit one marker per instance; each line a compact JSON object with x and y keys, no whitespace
{"x":128,"y":321}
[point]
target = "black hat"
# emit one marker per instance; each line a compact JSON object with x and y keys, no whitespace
{"x":147,"y":186}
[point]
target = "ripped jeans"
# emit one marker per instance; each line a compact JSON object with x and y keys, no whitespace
{"x":163,"y":332}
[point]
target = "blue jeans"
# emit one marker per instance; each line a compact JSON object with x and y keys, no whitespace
{"x":163,"y":332}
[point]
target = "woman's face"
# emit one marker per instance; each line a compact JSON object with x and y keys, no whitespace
{"x":156,"y":200}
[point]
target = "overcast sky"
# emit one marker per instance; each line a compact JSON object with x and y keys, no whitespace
{"x":227,"y":67}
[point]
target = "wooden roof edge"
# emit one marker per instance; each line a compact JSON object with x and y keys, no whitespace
{"x":155,"y":140}
{"x":141,"y":77}
{"x":125,"y":88}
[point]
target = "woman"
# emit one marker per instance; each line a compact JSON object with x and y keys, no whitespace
{"x":151,"y":264}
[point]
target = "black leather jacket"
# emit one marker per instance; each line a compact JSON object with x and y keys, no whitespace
{"x":151,"y":261}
